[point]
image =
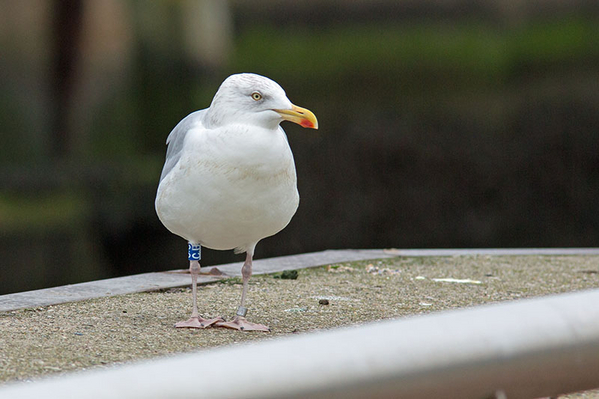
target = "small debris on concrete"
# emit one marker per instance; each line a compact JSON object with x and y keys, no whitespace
{"x":458,"y":281}
{"x":380,"y":270}
{"x":302,"y":309}
{"x":173,"y":290}
{"x":323,"y":301}
{"x":287,"y":275}
{"x":334,"y":298}
{"x":339,"y":269}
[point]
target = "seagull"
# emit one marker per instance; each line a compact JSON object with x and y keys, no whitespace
{"x":229,"y":179}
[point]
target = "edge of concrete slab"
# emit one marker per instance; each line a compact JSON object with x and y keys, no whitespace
{"x":179,"y":278}
{"x":173,"y":279}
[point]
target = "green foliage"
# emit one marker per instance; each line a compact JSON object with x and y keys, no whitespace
{"x":43,"y":212}
{"x":469,"y":53}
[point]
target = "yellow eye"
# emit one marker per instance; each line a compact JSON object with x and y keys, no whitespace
{"x":256,"y":96}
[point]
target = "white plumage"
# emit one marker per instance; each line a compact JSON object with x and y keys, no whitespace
{"x":229,"y":177}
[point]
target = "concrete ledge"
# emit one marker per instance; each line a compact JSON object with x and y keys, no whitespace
{"x":179,"y":278}
{"x":175,"y":278}
{"x":523,"y":349}
{"x":494,"y":252}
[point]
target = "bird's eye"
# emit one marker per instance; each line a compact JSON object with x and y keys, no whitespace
{"x":256,"y":96}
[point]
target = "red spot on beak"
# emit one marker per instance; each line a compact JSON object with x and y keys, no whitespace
{"x":307,"y":123}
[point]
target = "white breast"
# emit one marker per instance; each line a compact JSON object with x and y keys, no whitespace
{"x":232,"y":187}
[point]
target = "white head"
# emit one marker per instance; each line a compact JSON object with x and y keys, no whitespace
{"x":253,"y":99}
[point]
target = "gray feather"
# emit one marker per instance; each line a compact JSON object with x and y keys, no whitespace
{"x":176,"y":139}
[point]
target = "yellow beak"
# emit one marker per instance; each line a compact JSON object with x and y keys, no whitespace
{"x":299,"y":115}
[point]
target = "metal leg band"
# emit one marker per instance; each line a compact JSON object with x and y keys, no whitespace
{"x":242,"y":311}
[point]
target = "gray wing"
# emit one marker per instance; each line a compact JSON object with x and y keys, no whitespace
{"x":176,"y":139}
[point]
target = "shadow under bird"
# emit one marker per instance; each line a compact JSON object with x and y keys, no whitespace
{"x":229,"y":178}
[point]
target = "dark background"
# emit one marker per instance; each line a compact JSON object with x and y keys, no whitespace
{"x":442,"y":124}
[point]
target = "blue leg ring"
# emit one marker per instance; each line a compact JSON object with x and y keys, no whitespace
{"x":194,"y":251}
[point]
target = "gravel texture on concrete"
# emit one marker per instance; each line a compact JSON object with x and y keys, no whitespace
{"x":99,"y":332}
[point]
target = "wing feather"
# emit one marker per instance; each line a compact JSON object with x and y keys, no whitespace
{"x":176,"y":139}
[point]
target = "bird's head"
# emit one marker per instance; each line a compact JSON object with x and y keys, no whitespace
{"x":255,"y":99}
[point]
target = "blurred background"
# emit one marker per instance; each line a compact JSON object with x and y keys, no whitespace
{"x":455,"y":123}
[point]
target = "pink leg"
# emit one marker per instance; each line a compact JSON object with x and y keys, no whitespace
{"x":240,"y":322}
{"x":195,"y":321}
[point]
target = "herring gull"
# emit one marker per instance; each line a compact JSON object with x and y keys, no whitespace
{"x":229,"y":178}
